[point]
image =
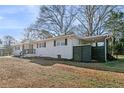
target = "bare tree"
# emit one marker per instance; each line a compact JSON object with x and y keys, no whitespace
{"x":33,"y":33}
{"x":58,"y":19}
{"x":8,"y":41}
{"x":92,"y":18}
{"x":29,"y":33}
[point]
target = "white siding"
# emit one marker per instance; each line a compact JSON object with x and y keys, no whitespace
{"x":66,"y":51}
{"x":50,"y":50}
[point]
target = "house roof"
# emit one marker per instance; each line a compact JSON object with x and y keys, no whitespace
{"x":98,"y":38}
{"x":88,"y":39}
{"x":52,"y":38}
{"x":57,"y":37}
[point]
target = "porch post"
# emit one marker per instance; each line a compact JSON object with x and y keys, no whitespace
{"x":105,"y":45}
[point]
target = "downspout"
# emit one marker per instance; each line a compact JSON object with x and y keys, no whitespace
{"x":106,"y":48}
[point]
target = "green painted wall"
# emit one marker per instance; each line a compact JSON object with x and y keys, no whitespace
{"x":88,"y":53}
{"x":82,"y":53}
{"x":98,"y":53}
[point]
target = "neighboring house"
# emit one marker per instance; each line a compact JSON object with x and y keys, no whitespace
{"x":4,"y":51}
{"x":65,"y":46}
{"x":1,"y":51}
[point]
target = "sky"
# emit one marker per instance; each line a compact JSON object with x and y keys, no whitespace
{"x":14,"y":19}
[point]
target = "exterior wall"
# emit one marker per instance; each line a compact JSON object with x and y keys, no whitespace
{"x":50,"y":50}
{"x":1,"y":52}
{"x":66,"y":51}
{"x":82,"y":53}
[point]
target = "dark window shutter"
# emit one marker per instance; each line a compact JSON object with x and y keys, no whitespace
{"x":66,"y":42}
{"x":44,"y":44}
{"x":37,"y":45}
{"x":54,"y":42}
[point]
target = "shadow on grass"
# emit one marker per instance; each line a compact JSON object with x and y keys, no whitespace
{"x":114,"y":66}
{"x":49,"y":61}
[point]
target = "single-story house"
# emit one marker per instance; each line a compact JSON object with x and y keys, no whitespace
{"x":67,"y":47}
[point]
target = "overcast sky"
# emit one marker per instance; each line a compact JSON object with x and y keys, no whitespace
{"x":13,"y":19}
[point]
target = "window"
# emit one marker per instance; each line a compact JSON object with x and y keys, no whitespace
{"x":34,"y":51}
{"x":98,"y":44}
{"x":32,"y":46}
{"x":17,"y":47}
{"x":44,"y":44}
{"x":41,"y":45}
{"x":60,"y":42}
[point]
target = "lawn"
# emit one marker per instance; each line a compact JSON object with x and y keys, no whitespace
{"x":114,"y":66}
{"x":16,"y":72}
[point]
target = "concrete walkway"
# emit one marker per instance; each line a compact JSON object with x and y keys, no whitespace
{"x":5,"y":56}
